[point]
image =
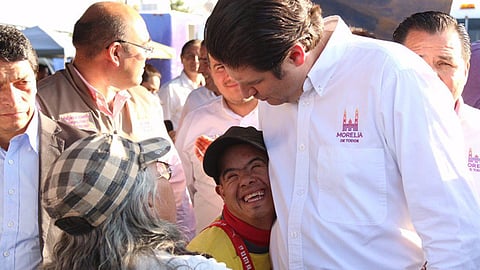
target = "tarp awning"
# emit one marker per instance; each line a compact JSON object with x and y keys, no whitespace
{"x":50,"y":43}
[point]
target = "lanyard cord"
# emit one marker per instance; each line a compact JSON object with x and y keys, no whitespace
{"x":237,"y":242}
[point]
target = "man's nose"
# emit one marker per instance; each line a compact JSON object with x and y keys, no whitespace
{"x":8,"y":94}
{"x":247,"y":91}
{"x":247,"y":178}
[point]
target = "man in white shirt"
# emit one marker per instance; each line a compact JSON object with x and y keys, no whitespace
{"x":445,"y":46}
{"x":174,"y":93}
{"x":211,"y":120}
{"x":366,"y":166}
{"x":203,"y":94}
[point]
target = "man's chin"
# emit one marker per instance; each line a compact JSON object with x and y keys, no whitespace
{"x":274,"y":102}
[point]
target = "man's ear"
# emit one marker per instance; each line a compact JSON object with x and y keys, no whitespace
{"x":296,"y":54}
{"x":219,"y":190}
{"x":467,"y":68}
{"x":113,"y":52}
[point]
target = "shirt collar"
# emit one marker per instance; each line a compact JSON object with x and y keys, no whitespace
{"x":120,"y":98}
{"x":459,"y":105}
{"x":32,"y":132}
{"x":326,"y":64}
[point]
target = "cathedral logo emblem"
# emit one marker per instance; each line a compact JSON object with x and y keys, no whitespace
{"x":473,"y":161}
{"x":350,"y":132}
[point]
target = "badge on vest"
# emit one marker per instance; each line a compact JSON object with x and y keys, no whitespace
{"x":81,"y":120}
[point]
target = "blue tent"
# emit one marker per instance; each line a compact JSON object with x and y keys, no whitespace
{"x":50,"y":43}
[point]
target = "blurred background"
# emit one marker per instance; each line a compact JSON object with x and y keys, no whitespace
{"x":49,"y":23}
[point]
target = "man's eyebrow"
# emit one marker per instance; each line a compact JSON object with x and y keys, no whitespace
{"x":252,"y":82}
{"x":446,"y":57}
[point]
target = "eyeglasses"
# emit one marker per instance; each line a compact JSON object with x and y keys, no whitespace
{"x":148,"y":50}
{"x":164,"y":170}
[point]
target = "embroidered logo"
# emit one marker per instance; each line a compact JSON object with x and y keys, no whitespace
{"x":81,"y":120}
{"x":350,"y":132}
{"x":473,"y":161}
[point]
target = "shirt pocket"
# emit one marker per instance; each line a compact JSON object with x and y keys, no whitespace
{"x":351,"y":185}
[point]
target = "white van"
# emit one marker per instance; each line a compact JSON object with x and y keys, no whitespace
{"x":467,"y":12}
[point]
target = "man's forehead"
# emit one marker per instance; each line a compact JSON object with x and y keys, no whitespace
{"x":15,"y":70}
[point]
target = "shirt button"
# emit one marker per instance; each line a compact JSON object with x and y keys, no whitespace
{"x":11,"y":191}
{"x":10,"y":161}
{"x":301,"y":147}
{"x":300,"y":192}
{"x":10,"y":224}
{"x":294,"y":235}
{"x":6,"y":254}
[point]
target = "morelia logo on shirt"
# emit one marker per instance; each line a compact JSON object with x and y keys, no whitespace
{"x":350,"y":132}
{"x":473,"y":161}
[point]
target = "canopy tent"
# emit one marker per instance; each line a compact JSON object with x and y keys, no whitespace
{"x":50,"y":43}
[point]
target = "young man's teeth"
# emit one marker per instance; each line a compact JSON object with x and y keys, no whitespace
{"x":254,"y":196}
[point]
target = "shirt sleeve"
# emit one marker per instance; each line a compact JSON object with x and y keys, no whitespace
{"x":424,"y":135}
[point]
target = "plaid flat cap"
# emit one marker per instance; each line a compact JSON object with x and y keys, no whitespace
{"x":93,"y":176}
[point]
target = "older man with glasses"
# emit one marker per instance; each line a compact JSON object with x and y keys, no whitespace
{"x":100,"y":90}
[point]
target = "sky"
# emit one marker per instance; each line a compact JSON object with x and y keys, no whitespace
{"x":61,"y":15}
{"x":55,"y":14}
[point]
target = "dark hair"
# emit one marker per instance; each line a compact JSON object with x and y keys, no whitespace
{"x":188,"y":44}
{"x":15,"y":47}
{"x":98,"y":27}
{"x":433,"y":22}
{"x":260,"y":33}
{"x":150,"y":71}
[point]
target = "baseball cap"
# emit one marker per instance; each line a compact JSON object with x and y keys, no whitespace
{"x":92,"y":177}
{"x":233,"y":136}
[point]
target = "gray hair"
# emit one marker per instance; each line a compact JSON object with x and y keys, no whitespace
{"x":132,"y":230}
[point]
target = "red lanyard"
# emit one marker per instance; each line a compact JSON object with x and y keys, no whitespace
{"x":237,"y":242}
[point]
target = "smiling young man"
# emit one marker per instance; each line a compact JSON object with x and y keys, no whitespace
{"x":208,"y":121}
{"x":240,"y":238}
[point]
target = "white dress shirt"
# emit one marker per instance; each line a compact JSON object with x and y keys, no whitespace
{"x":367,"y":168}
{"x":195,"y":99}
{"x":19,"y":186}
{"x":211,"y":119}
{"x":470,"y":121}
{"x":173,"y":96}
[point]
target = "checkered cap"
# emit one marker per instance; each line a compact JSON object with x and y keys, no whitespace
{"x":93,"y":176}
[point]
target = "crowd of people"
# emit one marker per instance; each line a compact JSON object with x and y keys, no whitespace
{"x":288,"y":141}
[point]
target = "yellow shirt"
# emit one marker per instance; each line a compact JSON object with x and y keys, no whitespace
{"x":215,"y":242}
